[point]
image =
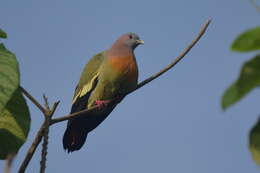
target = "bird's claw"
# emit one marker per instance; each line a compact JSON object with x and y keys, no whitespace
{"x":101,"y":103}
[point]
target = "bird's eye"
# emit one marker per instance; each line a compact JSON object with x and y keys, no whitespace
{"x":130,"y":36}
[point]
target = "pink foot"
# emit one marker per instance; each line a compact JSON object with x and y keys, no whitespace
{"x":102,"y":103}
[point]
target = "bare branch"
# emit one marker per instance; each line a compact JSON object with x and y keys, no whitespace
{"x":46,"y":102}
{"x":186,"y":50}
{"x":36,"y":141}
{"x":45,"y":146}
{"x":48,"y":116}
{"x":32,"y":149}
{"x":33,"y":100}
{"x":54,"y":107}
{"x":73,"y":115}
{"x":156,"y":75}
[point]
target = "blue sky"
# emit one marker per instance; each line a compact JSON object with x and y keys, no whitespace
{"x":174,"y":124}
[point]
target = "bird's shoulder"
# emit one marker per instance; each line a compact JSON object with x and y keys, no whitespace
{"x":89,"y":75}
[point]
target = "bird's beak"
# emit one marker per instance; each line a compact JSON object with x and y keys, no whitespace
{"x":139,"y":41}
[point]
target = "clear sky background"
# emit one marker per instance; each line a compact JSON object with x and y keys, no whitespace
{"x":175,"y":123}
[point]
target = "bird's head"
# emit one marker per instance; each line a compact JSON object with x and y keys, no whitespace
{"x":130,"y":39}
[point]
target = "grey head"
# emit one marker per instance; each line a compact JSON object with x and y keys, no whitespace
{"x":130,"y":40}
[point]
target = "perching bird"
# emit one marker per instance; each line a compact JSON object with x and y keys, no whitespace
{"x":107,"y":76}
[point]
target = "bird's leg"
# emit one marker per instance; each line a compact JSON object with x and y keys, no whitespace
{"x":102,"y":103}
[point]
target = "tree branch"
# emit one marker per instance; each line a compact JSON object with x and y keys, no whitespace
{"x":73,"y":115}
{"x":45,"y":145}
{"x":46,"y":104}
{"x":42,"y":131}
{"x":46,"y":135}
{"x":180,"y":57}
{"x":33,"y":100}
{"x":48,"y":115}
{"x":32,"y":149}
{"x":146,"y":81}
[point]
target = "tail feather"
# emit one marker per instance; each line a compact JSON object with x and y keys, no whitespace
{"x":74,"y":139}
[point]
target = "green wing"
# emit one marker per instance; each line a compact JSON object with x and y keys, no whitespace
{"x":89,"y":77}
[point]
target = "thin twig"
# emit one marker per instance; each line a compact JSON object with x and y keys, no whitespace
{"x":46,"y":102}
{"x":45,"y":145}
{"x":54,"y":107}
{"x":185,"y":51}
{"x":49,"y":113}
{"x":73,"y":115}
{"x":33,"y":100}
{"x":38,"y":137}
{"x":32,"y":149}
{"x":146,"y":81}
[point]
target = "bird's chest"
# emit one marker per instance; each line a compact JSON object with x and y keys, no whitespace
{"x":124,"y":71}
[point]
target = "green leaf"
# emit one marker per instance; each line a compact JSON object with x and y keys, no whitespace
{"x":9,"y":76}
{"x":14,"y":125}
{"x":249,"y":79}
{"x":254,"y":142}
{"x":247,"y":41}
{"x":3,"y":34}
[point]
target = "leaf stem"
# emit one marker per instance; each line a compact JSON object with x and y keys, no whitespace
{"x":33,"y":100}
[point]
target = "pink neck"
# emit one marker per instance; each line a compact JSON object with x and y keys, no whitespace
{"x":119,"y":49}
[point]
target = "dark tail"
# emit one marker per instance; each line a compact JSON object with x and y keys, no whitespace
{"x":75,"y":134}
{"x":73,"y":139}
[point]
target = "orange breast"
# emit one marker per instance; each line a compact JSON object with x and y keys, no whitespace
{"x":125,"y":66}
